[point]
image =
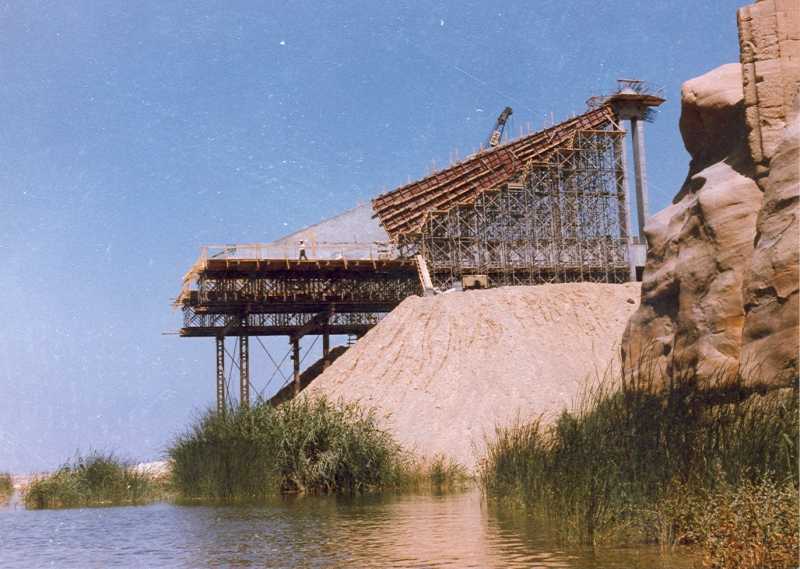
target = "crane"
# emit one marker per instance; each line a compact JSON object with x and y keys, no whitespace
{"x":497,"y":133}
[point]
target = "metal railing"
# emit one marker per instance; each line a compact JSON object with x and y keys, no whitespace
{"x":313,"y":250}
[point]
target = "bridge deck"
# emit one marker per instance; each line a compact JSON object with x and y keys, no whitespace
{"x":254,"y":296}
{"x":307,"y":267}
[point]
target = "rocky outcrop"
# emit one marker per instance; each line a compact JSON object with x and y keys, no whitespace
{"x":700,"y":246}
{"x":769,"y":43}
{"x":770,"y":336}
{"x":769,"y":33}
{"x":720,"y":283}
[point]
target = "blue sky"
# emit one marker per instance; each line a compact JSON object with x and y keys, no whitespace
{"x":132,"y":133}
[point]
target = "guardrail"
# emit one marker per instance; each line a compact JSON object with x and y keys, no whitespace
{"x":313,"y":250}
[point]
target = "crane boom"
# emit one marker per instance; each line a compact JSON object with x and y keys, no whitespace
{"x":499,"y":126}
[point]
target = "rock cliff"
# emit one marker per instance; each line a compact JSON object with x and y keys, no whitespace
{"x":721,"y":280}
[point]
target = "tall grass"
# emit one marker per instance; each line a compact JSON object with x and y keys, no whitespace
{"x":750,"y":526}
{"x":302,"y":446}
{"x":93,"y":480}
{"x":6,"y":486}
{"x":438,"y":474}
{"x":643,"y":464}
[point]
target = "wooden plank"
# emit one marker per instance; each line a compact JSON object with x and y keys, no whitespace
{"x":403,"y":210}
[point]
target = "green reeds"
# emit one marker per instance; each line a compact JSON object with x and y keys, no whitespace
{"x":6,"y":486}
{"x":438,"y":474}
{"x":302,"y":446}
{"x":94,"y":480}
{"x":636,"y":463}
{"x":751,"y":526}
{"x":308,"y":446}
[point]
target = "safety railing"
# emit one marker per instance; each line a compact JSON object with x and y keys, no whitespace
{"x":312,"y":249}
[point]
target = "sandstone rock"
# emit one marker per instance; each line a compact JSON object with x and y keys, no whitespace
{"x":720,"y":290}
{"x":711,"y":116}
{"x":692,"y":309}
{"x":770,"y":340}
{"x":769,"y":40}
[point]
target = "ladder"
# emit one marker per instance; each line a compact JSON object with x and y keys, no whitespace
{"x":424,"y":275}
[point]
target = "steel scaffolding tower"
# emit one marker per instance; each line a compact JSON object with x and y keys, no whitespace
{"x":563,"y":218}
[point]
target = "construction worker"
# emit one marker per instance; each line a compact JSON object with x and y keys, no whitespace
{"x":301,"y":246}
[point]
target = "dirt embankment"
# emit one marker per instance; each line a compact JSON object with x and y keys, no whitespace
{"x":443,"y":371}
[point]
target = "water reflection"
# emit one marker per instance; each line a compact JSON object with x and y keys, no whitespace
{"x":455,"y":530}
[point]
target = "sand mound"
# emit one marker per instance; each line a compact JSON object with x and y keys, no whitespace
{"x":443,"y":371}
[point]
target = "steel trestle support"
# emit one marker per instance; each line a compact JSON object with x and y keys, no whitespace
{"x":244,"y":371}
{"x":220,"y":374}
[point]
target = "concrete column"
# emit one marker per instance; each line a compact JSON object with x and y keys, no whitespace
{"x":640,"y":171}
{"x":296,"y":364}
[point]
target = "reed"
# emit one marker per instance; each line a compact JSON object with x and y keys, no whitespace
{"x":93,"y":480}
{"x":641,"y":463}
{"x":6,"y":486}
{"x":310,"y":446}
{"x":438,"y":474}
{"x":751,"y":526}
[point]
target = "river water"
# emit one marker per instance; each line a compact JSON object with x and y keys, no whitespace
{"x":420,"y":531}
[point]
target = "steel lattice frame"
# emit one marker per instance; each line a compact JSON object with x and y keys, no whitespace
{"x":278,"y":302}
{"x":290,"y":289}
{"x":275,"y":324}
{"x":562,"y":219}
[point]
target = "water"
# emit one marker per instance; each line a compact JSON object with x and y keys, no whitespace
{"x":417,"y":531}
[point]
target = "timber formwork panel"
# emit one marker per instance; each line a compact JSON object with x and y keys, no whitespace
{"x":404,"y":210}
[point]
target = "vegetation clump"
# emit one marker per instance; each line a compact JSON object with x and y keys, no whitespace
{"x":94,"y":480}
{"x":310,"y":446}
{"x":6,"y":486}
{"x":438,"y":474}
{"x":668,"y":466}
{"x":754,"y":525}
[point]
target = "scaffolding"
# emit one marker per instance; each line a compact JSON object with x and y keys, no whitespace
{"x":246,"y":291}
{"x":274,"y":297}
{"x":403,"y":210}
{"x":549,"y":207}
{"x":563,"y":219}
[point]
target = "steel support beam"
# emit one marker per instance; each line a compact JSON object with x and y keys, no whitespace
{"x":296,"y":364}
{"x":220,"y":374}
{"x":244,"y":371}
{"x":326,"y":350}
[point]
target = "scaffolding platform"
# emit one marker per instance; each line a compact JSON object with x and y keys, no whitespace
{"x":236,"y":295}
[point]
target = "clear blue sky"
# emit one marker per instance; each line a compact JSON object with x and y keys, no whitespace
{"x":131,"y":133}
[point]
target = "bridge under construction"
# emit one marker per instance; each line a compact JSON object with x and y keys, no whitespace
{"x":551,"y":206}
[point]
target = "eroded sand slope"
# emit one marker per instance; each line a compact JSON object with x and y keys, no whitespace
{"x":443,"y":371}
